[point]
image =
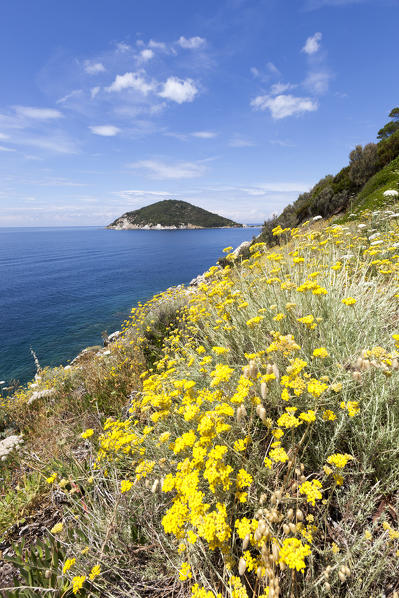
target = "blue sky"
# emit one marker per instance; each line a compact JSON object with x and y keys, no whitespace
{"x":233,"y":105}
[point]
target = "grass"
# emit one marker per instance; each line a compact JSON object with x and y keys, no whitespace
{"x":371,"y":196}
{"x":241,"y":437}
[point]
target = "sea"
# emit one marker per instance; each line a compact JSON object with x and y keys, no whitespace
{"x":60,"y":288}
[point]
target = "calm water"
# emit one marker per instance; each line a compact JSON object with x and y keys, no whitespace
{"x":61,"y":287}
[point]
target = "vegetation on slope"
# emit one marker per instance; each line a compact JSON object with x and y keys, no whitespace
{"x":347,"y":189}
{"x":240,"y":440}
{"x":171,"y":212}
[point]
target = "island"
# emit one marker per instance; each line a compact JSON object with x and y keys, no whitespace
{"x":171,"y":214}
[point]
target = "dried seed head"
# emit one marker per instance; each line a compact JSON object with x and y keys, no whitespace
{"x":275,"y":552}
{"x":242,"y":565}
{"x":275,"y":371}
{"x":299,"y":515}
{"x":252,"y":369}
{"x":262,"y":414}
{"x":346,"y":570}
{"x":263,"y":390}
{"x":286,"y":529}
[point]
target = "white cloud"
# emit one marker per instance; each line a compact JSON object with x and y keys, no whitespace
{"x":254,"y":71}
{"x":6,"y":149}
{"x":94,"y":91}
{"x":204,"y":134}
{"x":93,"y":68}
{"x":279,"y":88}
{"x":312,"y":44}
{"x":162,"y":170}
{"x":134,"y":81}
{"x":282,"y":106}
{"x":3,"y":136}
{"x":146,"y":54}
{"x":37,"y":113}
{"x":317,"y":82}
{"x":179,"y":90}
{"x":105,"y":130}
{"x":191,"y":43}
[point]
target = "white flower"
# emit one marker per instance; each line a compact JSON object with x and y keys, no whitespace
{"x":391,"y":193}
{"x":317,"y":217}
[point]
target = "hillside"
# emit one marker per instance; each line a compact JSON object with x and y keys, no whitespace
{"x":238,"y":440}
{"x":171,"y":213}
{"x":370,"y":168}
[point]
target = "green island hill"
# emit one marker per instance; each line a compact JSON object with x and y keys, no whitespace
{"x":171,"y":214}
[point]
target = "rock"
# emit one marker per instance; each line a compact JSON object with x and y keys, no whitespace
{"x":40,"y":394}
{"x":8,"y":445}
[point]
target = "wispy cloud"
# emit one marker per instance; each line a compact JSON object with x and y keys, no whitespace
{"x":179,"y":90}
{"x":73,"y":94}
{"x":238,"y":141}
{"x":312,"y":44}
{"x":281,"y":143}
{"x":137,"y":195}
{"x":162,"y":170}
{"x":123,"y":47}
{"x":105,"y":130}
{"x":204,"y":134}
{"x":6,"y":149}
{"x":279,"y":88}
{"x":317,"y":82}
{"x":57,"y":144}
{"x":315,"y":4}
{"x":191,"y":43}
{"x":93,"y":68}
{"x":37,"y":113}
{"x":282,"y":106}
{"x":272,"y":68}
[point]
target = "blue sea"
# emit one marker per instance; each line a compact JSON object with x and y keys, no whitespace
{"x":60,"y":288}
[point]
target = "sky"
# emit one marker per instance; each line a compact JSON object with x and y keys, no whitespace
{"x":236,"y":106}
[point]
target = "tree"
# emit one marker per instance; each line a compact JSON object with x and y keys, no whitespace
{"x":363,"y":163}
{"x":391,"y":127}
